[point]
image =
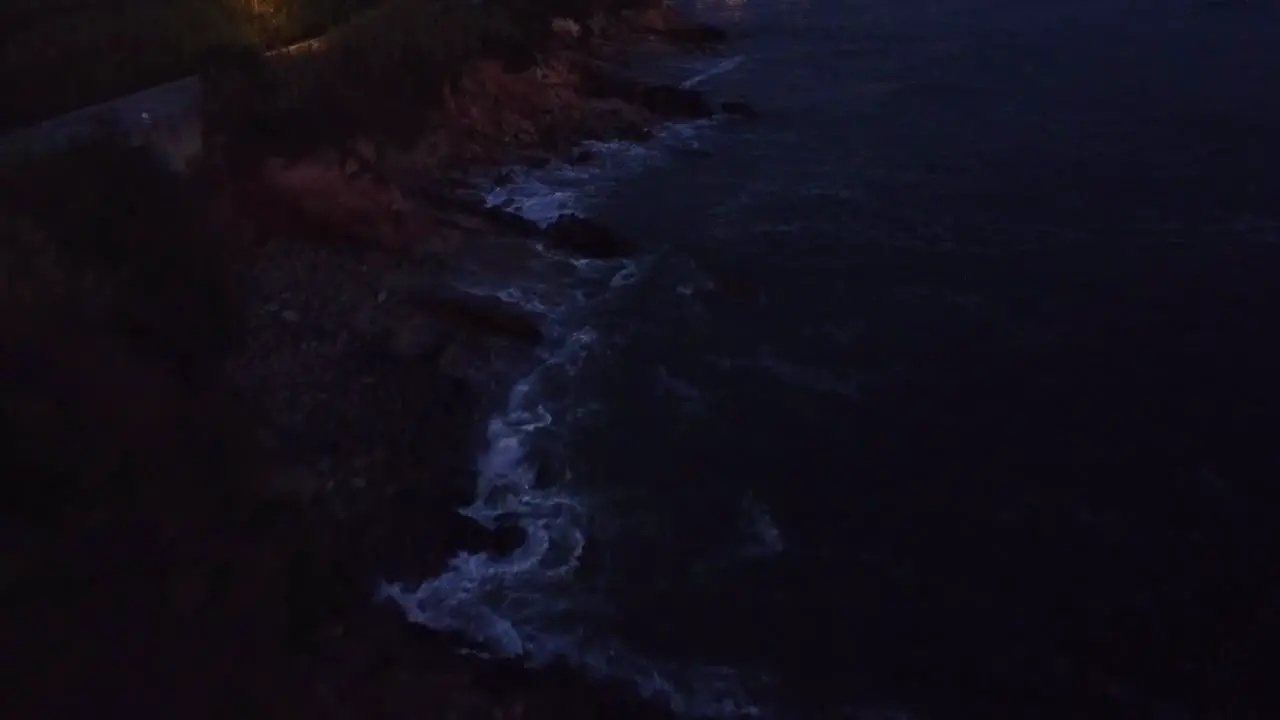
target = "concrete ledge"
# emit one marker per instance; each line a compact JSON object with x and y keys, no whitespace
{"x":166,"y":117}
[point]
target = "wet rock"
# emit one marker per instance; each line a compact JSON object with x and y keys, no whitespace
{"x":551,"y":470}
{"x":586,"y":237}
{"x":635,"y":134}
{"x":665,"y":22}
{"x":603,"y":82}
{"x":411,"y":534}
{"x":614,"y":118}
{"x":739,"y":108}
{"x":475,"y":215}
{"x":673,"y":100}
{"x":482,"y":314}
{"x":507,"y":537}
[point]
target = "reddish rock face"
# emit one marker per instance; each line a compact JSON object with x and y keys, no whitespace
{"x":351,"y":205}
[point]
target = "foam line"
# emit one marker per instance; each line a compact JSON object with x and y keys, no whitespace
{"x":719,"y":69}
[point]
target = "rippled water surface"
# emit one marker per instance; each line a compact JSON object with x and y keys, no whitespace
{"x":946,"y":388}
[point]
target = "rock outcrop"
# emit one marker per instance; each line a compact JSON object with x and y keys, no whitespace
{"x":586,"y":237}
{"x":261,"y":488}
{"x":337,"y":200}
{"x":601,"y":81}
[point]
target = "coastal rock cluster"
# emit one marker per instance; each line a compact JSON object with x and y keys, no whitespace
{"x":341,"y":399}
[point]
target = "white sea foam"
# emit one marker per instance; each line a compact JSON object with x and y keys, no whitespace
{"x":526,"y":604}
{"x":544,"y":194}
{"x":720,"y":68}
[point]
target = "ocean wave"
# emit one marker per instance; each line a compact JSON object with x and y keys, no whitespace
{"x":545,"y":194}
{"x":527,"y":604}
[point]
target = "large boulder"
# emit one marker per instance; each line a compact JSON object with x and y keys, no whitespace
{"x":586,"y":237}
{"x":665,"y":22}
{"x":614,"y":118}
{"x":469,"y":214}
{"x":410,"y":533}
{"x":481,"y":313}
{"x":603,"y":82}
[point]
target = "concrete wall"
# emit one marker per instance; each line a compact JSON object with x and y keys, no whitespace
{"x":166,"y":118}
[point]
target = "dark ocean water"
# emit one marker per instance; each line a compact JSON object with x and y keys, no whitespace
{"x":947,"y":388}
{"x":979,"y":418}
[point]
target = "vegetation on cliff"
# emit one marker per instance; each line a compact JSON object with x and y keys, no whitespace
{"x":60,"y":55}
{"x":221,"y":431}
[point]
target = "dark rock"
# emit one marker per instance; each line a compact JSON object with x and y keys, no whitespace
{"x":635,"y":133}
{"x":673,"y":100}
{"x":617,"y":120}
{"x":603,"y":82}
{"x":587,"y":238}
{"x":486,"y":315}
{"x":551,"y":470}
{"x":411,"y":535}
{"x":585,"y":156}
{"x":739,"y":108}
{"x":507,"y":538}
{"x":496,"y":218}
{"x":668,"y":25}
{"x":696,"y":34}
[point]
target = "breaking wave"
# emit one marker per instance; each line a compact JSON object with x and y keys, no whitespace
{"x":526,"y":604}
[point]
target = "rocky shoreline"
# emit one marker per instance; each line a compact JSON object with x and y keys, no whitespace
{"x":262,"y":477}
